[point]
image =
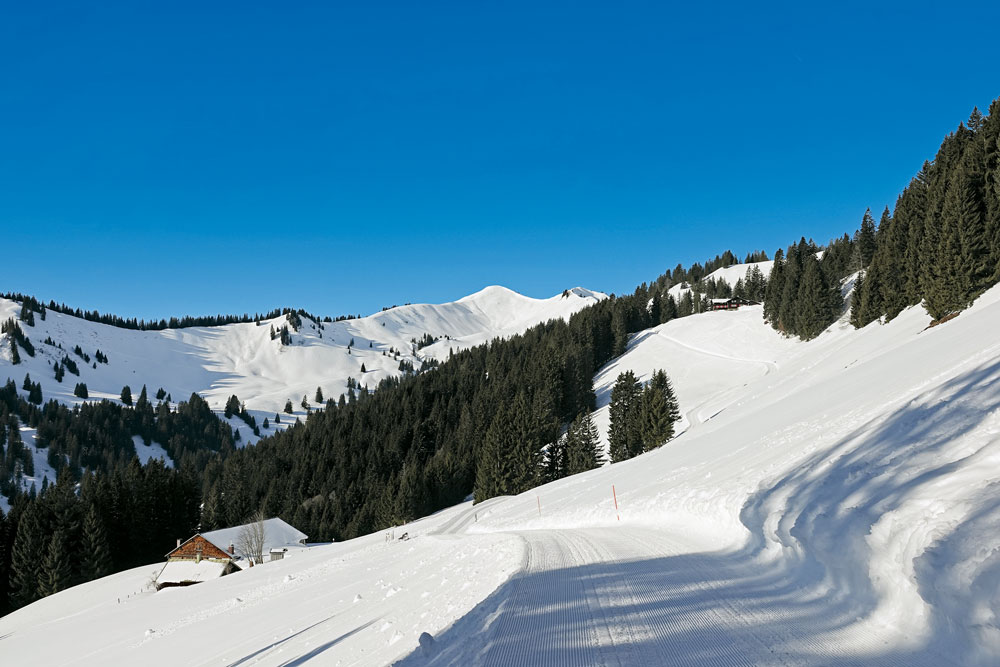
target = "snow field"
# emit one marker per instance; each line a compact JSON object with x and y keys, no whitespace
{"x":362,"y":602}
{"x":241,"y":359}
{"x":835,"y":502}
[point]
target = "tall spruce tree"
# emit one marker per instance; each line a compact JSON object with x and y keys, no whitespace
{"x":95,"y":555}
{"x":624,"y":435}
{"x":582,"y":445}
{"x":864,"y":241}
{"x":495,"y":469}
{"x":990,"y":136}
{"x":947,"y":287}
{"x":26,"y":556}
{"x":976,"y":263}
{"x":775,"y":288}
{"x":56,"y":573}
{"x":658,"y":411}
{"x":556,"y":464}
{"x":891,"y":255}
{"x":815,"y":306}
{"x":526,"y":450}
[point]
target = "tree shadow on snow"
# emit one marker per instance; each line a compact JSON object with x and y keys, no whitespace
{"x":789,"y":607}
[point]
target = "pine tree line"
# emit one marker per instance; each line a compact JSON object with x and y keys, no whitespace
{"x":802,"y":297}
{"x":941,"y":244}
{"x":61,"y":537}
{"x":30,"y":304}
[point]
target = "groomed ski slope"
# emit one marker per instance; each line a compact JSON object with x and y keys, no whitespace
{"x":830,"y":503}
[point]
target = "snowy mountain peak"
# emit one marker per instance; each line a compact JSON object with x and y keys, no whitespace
{"x":247,"y":360}
{"x":585,"y":293}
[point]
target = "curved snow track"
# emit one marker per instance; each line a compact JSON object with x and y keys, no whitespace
{"x":693,"y":416}
{"x":635,"y":596}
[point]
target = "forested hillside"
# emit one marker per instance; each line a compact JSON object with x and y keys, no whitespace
{"x":495,"y":419}
{"x":941,"y":244}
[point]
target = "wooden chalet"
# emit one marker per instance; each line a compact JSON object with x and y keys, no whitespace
{"x":215,"y":554}
{"x":732,"y":303}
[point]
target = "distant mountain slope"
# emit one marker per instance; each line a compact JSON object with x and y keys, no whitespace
{"x":243,"y":359}
{"x":832,"y":502}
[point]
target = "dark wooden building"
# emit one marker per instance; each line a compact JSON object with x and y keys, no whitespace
{"x":732,"y":303}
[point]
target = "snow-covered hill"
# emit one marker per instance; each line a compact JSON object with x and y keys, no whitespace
{"x":833,"y":502}
{"x":242,"y":359}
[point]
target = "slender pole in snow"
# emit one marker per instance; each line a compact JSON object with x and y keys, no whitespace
{"x":539,"y":505}
{"x":615,"y":496}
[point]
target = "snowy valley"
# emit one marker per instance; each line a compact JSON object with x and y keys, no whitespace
{"x":829,"y":502}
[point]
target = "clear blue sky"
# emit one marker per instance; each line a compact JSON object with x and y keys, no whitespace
{"x":163,"y":159}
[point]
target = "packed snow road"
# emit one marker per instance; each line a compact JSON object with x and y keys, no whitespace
{"x":639,"y":596}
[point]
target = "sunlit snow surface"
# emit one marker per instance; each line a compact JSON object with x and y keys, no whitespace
{"x":829,"y":503}
{"x":242,"y":359}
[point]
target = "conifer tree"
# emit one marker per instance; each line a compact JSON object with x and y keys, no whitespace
{"x":669,"y":310}
{"x":26,"y":557}
{"x":890,"y":254}
{"x":494,"y":467}
{"x":556,"y":462}
{"x":126,"y":396}
{"x":96,"y":556}
{"x":35,"y":395}
{"x":582,"y":445}
{"x":864,"y":241}
{"x":947,"y":287}
{"x":990,"y":135}
{"x":814,"y":308}
{"x":319,"y":395}
{"x":940,"y":220}
{"x":56,"y":573}
{"x":658,"y":412}
{"x":624,"y":438}
{"x":288,"y":406}
{"x":619,"y":331}
{"x":27,"y":315}
{"x":790,"y":292}
{"x":686,"y":305}
{"x":857,"y":318}
{"x":976,"y":264}
{"x":6,"y":542}
{"x":526,"y":451}
{"x":775,"y":288}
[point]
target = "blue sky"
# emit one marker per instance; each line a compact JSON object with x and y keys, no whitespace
{"x":167,"y":159}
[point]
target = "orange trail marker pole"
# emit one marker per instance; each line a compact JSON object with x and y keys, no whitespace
{"x":615,"y":496}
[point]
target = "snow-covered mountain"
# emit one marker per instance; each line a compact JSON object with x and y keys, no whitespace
{"x":830,"y":503}
{"x":242,"y":359}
